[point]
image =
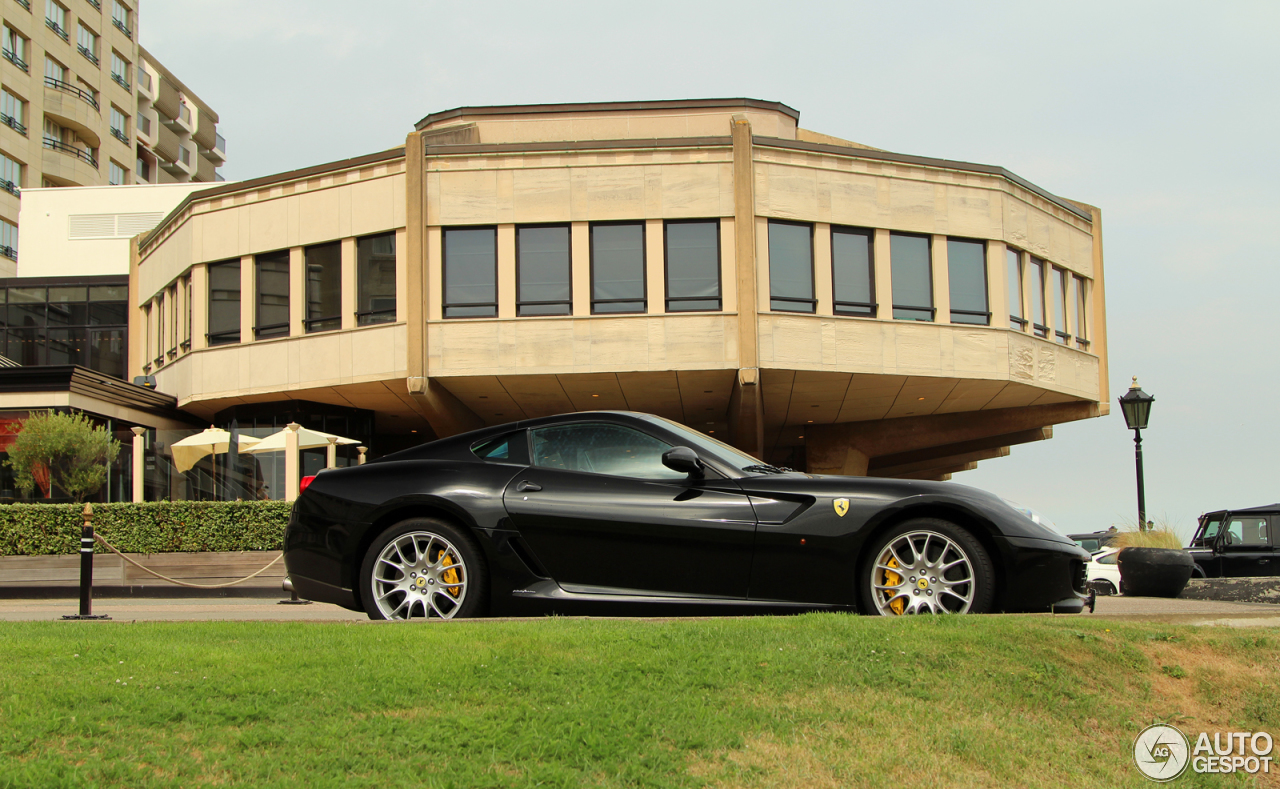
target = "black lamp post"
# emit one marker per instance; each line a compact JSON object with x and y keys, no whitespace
{"x":1136,"y":405}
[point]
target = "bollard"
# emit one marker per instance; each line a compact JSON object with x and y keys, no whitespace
{"x":86,"y":569}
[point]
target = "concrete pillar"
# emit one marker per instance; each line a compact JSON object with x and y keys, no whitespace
{"x":998,"y":284}
{"x":139,"y":461}
{"x":199,"y":307}
{"x":248,"y":298}
{"x":823,"y":286}
{"x":297,"y":291}
{"x":413,"y":295}
{"x":506,"y":271}
{"x":655,"y":266}
{"x":361,"y":450}
{"x":941,"y":279}
{"x":349,"y":283}
{"x":882,"y":254}
{"x":580,"y":267}
{"x":291,"y":462}
{"x":331,"y":453}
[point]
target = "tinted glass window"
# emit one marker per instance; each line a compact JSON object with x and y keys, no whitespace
{"x":852,"y":272}
{"x":1013,"y":262}
{"x":967,"y":272}
{"x":1037,"y":297}
{"x":376,"y":278}
{"x":912,"y":277}
{"x":273,"y":295}
{"x":324,"y":286}
{"x":617,"y":268}
{"x":791,"y":267}
{"x":1082,"y":319}
{"x":107,"y":351}
{"x":224,"y":302}
{"x":1060,"y":305}
{"x":602,"y":449}
{"x":470,"y":272}
{"x":542,"y":266}
{"x":693,"y":266}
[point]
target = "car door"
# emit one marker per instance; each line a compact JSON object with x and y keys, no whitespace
{"x":602,"y":513}
{"x":1245,"y":547}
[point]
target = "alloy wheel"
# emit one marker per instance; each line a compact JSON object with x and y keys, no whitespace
{"x":419,"y":575}
{"x":922,"y":572}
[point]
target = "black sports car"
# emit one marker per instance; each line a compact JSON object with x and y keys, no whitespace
{"x":615,"y":512}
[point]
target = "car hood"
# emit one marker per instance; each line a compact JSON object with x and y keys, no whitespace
{"x":899,"y":493}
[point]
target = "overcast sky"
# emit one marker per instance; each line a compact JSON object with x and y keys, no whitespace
{"x":1164,"y":114}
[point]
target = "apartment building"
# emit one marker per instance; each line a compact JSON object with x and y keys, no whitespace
{"x":816,"y":302}
{"x":82,"y":104}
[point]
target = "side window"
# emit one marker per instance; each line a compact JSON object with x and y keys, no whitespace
{"x":1110,"y":558}
{"x":1249,"y":532}
{"x":602,"y":449}
{"x":510,"y":448}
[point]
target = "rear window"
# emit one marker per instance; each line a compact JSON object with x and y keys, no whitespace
{"x":509,"y":448}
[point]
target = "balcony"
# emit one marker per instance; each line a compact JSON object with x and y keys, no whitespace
{"x":145,"y":128}
{"x":71,"y":150}
{"x":121,"y":80}
{"x":10,"y":253}
{"x":120,"y":135}
{"x":122,"y":27}
{"x":145,"y":88}
{"x":10,"y":187}
{"x":87,"y":53}
{"x":67,"y":165}
{"x":15,"y":60}
{"x":57,"y":28}
{"x":24,"y":4}
{"x":95,"y":4}
{"x":13,"y":123}
{"x":67,"y":87}
{"x":218,"y":153}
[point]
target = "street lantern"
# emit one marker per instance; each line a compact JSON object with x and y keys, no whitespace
{"x":1136,"y":406}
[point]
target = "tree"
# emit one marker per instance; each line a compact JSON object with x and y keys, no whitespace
{"x":63,"y":450}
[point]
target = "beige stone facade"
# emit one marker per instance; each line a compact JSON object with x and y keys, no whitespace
{"x":84,"y":105}
{"x":835,"y":392}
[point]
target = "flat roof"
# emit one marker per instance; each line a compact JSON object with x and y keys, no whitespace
{"x":609,"y":106}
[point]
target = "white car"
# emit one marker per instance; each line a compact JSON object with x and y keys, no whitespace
{"x":1104,"y":571}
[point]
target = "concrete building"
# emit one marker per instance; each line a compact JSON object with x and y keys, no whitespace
{"x":817,"y":302}
{"x":82,"y":104}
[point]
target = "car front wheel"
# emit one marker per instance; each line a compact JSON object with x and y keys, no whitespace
{"x":927,"y":566}
{"x":422,"y":568}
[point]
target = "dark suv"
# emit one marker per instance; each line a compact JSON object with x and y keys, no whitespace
{"x":1237,"y":543}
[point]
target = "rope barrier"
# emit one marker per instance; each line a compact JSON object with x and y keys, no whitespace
{"x":117,"y":552}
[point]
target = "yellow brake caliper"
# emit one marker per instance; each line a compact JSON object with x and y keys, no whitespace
{"x":449,"y":576}
{"x":893,"y":579}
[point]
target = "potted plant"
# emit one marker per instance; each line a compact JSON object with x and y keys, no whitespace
{"x":1152,"y":562}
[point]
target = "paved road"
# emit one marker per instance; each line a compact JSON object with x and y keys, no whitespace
{"x":268,"y":609}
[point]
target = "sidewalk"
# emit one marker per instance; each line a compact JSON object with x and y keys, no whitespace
{"x":177,"y":607}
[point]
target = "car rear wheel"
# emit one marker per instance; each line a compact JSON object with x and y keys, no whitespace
{"x":927,"y":566}
{"x":422,"y":568}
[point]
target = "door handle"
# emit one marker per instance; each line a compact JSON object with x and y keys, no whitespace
{"x":526,"y":485}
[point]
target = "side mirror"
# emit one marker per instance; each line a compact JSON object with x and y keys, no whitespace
{"x":683,"y":459}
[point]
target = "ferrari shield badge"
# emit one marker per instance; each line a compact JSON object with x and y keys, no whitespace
{"x":842,"y":506}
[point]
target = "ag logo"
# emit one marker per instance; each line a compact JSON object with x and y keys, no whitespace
{"x":842,"y":506}
{"x":1161,"y":752}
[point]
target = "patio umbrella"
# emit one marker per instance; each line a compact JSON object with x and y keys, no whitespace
{"x":212,"y":441}
{"x":307,"y":439}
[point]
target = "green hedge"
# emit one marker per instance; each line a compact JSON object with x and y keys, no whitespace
{"x":154,"y":527}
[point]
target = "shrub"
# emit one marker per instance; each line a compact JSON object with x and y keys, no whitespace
{"x":64,"y":451}
{"x":1159,"y":537}
{"x":153,"y":527}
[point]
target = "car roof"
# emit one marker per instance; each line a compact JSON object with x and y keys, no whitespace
{"x":1251,"y":510}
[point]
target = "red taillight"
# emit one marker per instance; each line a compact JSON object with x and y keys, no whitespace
{"x":305,"y":483}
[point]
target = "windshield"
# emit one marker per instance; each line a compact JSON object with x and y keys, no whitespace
{"x":737,"y":458}
{"x":1209,"y":526}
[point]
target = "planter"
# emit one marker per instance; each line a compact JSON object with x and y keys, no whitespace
{"x":1154,"y":572}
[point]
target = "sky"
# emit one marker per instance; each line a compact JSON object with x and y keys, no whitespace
{"x":1163,"y":114}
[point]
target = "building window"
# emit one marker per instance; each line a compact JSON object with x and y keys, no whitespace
{"x":118,"y":175}
{"x":617,"y":268}
{"x":55,"y":18}
{"x":1060,"y":283}
{"x":1037,"y":298}
{"x":224,"y":302}
{"x":912,"y":277}
{"x":1082,"y":316}
{"x":692,"y":252}
{"x":158,"y":312}
{"x":87,"y":44}
{"x":143,"y":168}
{"x":119,"y":125}
{"x":324,"y":286}
{"x":8,"y":239}
{"x":67,"y":325}
{"x":376,"y":279}
{"x":120,"y":70}
{"x":10,"y":175}
{"x":853,"y":278}
{"x":13,"y":111}
{"x":791,"y":267}
{"x":967,"y":275}
{"x":53,"y":70}
{"x":1013,"y":262}
{"x":543,"y":270}
{"x":271,"y":279}
{"x":470,"y":272}
{"x":15,"y":48}
{"x":186,"y":314}
{"x":122,"y":18}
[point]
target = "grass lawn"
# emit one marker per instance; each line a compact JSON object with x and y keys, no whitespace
{"x":821,"y":700}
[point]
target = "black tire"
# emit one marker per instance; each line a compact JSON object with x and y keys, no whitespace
{"x":443,"y":539}
{"x":982,"y":577}
{"x":1106,"y":588}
